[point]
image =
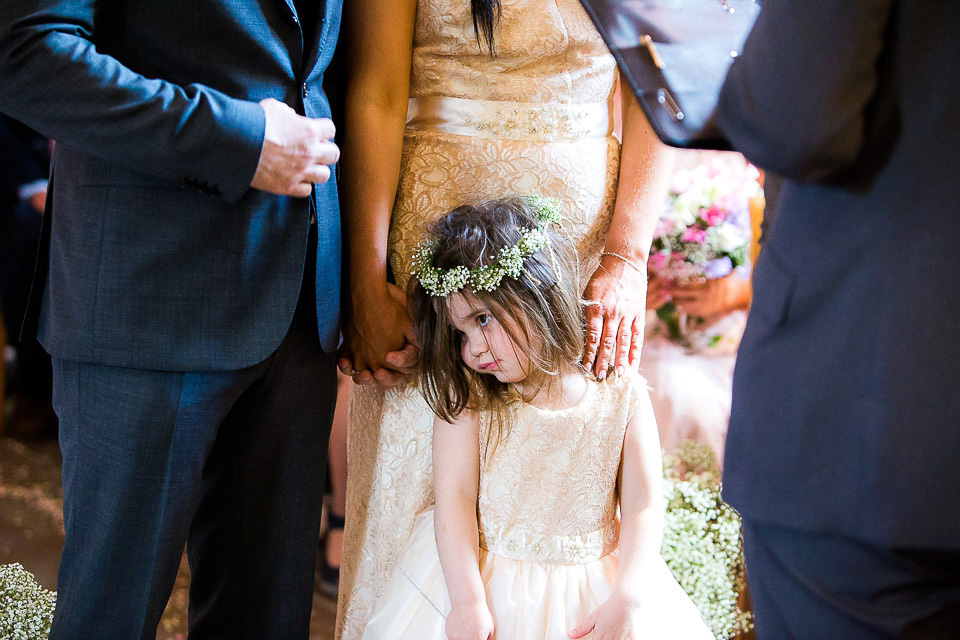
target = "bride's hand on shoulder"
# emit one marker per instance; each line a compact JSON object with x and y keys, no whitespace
{"x":616,"y":619}
{"x":617,"y":295}
{"x":470,"y":621}
{"x":379,"y":346}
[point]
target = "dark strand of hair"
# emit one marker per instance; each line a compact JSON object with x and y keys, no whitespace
{"x":486,"y":15}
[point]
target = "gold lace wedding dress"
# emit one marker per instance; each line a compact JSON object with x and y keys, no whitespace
{"x":547,"y":513}
{"x":534,"y":119}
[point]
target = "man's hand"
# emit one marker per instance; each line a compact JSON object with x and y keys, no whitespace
{"x":296,"y":151}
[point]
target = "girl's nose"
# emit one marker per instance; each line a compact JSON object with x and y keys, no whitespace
{"x":476,"y":348}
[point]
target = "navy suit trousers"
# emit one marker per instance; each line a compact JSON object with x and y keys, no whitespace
{"x":230,"y":463}
{"x":810,"y":586}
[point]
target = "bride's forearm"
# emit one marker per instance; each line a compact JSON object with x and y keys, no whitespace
{"x":379,"y":42}
{"x":369,"y":174}
{"x":645,"y":167}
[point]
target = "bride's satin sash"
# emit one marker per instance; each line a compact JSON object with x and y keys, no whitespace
{"x":544,"y":122}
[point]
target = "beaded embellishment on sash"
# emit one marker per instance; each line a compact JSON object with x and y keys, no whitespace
{"x":526,"y":546}
{"x":512,"y":120}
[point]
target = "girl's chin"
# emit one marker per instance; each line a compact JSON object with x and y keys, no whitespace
{"x":507,"y":378}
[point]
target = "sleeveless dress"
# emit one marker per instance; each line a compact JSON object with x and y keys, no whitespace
{"x":534,"y":119}
{"x":547,"y":514}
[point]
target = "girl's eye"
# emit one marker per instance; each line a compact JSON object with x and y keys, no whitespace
{"x":483,"y":319}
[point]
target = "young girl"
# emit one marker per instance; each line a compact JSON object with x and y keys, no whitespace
{"x":532,"y":456}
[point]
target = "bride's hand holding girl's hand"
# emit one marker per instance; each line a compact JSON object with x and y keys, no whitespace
{"x":616,"y":619}
{"x":379,"y":346}
{"x":470,"y":621}
{"x":617,"y":291}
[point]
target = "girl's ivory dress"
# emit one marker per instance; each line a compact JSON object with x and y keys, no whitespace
{"x":547,"y":511}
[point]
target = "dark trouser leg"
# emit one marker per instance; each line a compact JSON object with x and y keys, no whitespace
{"x":234,"y":460}
{"x":821,"y":587}
{"x":253,"y":542}
{"x":134,"y":444}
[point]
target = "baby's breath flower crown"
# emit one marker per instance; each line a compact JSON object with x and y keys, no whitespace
{"x":440,"y":283}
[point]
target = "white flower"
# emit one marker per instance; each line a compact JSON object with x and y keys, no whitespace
{"x":508,"y":262}
{"x":729,"y":237}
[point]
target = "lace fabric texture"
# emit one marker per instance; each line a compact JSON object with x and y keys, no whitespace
{"x":546,"y":52}
{"x":547,"y":488}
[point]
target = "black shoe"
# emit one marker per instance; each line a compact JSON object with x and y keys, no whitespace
{"x":329,"y":576}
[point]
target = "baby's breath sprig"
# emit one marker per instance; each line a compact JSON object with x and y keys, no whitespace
{"x":26,"y":608}
{"x":508,"y":262}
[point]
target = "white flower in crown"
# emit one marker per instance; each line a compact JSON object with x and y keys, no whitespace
{"x":509,"y":261}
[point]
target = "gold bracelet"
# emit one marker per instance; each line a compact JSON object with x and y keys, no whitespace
{"x":625,"y":259}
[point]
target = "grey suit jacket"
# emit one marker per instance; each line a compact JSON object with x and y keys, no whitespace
{"x":158,"y":254}
{"x":846,"y":412}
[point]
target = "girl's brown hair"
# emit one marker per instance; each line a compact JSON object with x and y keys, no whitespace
{"x":543,"y":303}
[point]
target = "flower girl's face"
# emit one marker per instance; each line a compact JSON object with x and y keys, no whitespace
{"x":487,"y":346}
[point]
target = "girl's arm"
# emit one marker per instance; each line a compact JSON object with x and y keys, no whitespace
{"x":618,"y":286}
{"x":379,"y":41}
{"x":641,"y":530}
{"x":456,"y":470}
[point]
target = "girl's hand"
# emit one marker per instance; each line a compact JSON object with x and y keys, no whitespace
{"x":379,"y":346}
{"x":470,"y":621}
{"x":616,"y":619}
{"x":615,"y":319}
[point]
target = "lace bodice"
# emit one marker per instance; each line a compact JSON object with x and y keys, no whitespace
{"x":548,"y":487}
{"x":547,"y":51}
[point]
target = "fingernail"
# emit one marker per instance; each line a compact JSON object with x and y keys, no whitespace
{"x":620,"y":370}
{"x":602,"y":375}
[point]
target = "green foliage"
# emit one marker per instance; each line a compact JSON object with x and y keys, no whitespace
{"x":26,"y":608}
{"x":701,"y":540}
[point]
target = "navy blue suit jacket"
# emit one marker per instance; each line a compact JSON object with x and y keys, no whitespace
{"x":159,"y":254}
{"x":846,"y":410}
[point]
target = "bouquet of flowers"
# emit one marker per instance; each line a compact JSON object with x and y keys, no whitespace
{"x":704,"y":232}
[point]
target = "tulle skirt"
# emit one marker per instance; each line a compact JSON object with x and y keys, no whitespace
{"x":528,"y":600}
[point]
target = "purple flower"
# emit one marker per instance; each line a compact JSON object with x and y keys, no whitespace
{"x":740,"y":218}
{"x":718,"y":268}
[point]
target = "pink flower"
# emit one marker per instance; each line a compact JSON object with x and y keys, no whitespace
{"x":693,"y":234}
{"x":713,"y":215}
{"x":664,"y":228}
{"x":657,"y":261}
